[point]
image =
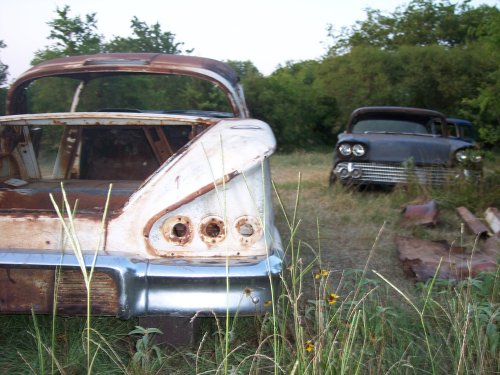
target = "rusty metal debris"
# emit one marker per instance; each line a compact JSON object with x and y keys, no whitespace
{"x":422,"y":259}
{"x":493,"y":218}
{"x":420,"y":214}
{"x":473,"y":223}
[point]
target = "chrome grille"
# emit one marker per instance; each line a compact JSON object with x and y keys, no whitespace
{"x":395,"y":173}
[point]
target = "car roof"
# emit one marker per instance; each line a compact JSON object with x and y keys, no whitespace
{"x":391,"y":109}
{"x":88,"y":67}
{"x":459,"y":121}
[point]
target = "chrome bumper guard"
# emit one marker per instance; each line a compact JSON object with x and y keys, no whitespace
{"x":174,"y":287}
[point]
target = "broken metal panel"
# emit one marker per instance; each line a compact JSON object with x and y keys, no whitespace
{"x":473,"y":223}
{"x":493,"y":218}
{"x":422,"y":259}
{"x":420,"y":214}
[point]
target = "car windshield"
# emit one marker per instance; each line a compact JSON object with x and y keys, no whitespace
{"x":389,"y":126}
{"x":397,"y":122}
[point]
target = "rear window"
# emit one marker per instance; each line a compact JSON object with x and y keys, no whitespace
{"x":127,"y":93}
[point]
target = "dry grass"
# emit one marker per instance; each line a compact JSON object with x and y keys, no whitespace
{"x":344,"y":222}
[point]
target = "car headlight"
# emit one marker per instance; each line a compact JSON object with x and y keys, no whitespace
{"x":461,"y":156}
{"x":477,"y":158}
{"x":468,"y":155}
{"x":358,"y":150}
{"x":345,"y":149}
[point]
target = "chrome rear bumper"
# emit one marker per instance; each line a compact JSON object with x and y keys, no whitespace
{"x":174,"y":287}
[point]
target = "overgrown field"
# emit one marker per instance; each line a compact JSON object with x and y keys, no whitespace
{"x":346,"y":307}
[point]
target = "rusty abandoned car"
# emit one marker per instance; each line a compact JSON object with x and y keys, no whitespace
{"x":189,"y":228}
{"x":392,"y":145}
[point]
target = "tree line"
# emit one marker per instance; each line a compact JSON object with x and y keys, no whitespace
{"x":430,"y":54}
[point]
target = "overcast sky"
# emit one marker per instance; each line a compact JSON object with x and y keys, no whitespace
{"x":266,"y":32}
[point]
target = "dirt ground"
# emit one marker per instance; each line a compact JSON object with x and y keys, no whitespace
{"x":343,"y":229}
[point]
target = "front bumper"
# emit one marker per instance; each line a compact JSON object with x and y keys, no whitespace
{"x":394,"y":173}
{"x":174,"y":287}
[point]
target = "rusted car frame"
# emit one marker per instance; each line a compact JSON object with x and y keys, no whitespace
{"x":190,"y":228}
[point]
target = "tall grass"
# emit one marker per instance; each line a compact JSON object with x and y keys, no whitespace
{"x":87,"y":270}
{"x":326,"y":318}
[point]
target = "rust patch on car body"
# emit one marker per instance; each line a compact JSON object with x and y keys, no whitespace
{"x":24,"y":289}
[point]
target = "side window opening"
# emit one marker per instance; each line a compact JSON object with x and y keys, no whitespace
{"x":116,"y":153}
{"x":437,"y":127}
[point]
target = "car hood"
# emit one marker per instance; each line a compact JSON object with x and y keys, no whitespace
{"x":423,"y":149}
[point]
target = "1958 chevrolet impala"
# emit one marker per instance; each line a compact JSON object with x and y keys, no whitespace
{"x":189,"y":227}
{"x":394,"y":145}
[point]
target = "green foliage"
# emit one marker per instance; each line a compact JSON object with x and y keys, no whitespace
{"x":484,"y":107}
{"x":147,"y":353}
{"x":72,"y":36}
{"x":432,"y":54}
{"x":146,"y":39}
{"x":3,"y":67}
{"x":3,"y":80}
{"x":292,"y":101}
{"x":79,"y":36}
{"x":246,"y":69}
{"x":419,"y":23}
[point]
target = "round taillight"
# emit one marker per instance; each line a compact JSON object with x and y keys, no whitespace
{"x":212,"y":230}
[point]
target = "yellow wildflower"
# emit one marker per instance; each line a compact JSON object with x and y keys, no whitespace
{"x":320,"y":273}
{"x":332,"y":298}
{"x":309,"y":346}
